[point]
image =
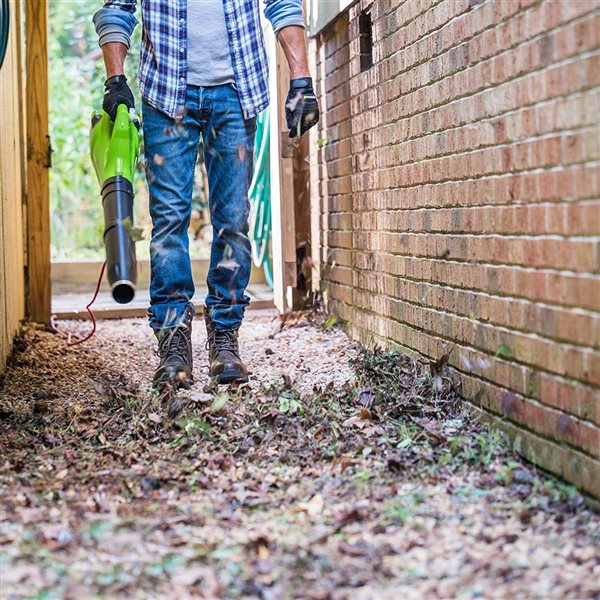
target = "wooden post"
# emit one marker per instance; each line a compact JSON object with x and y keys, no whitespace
{"x":282,"y":183}
{"x":38,"y":161}
{"x":314,"y":173}
{"x":302,"y":233}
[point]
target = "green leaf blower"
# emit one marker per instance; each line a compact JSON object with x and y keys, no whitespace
{"x":115,"y":148}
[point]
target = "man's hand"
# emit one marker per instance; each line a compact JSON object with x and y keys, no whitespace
{"x":301,"y":106}
{"x":116,"y":91}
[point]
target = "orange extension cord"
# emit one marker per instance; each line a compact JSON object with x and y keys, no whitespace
{"x":68,"y":334}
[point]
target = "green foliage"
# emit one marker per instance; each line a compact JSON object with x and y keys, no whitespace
{"x":290,"y":404}
{"x":76,"y":82}
{"x":331,"y":321}
{"x":504,"y":350}
{"x":194,"y":426}
{"x":483,"y":447}
{"x":402,"y":509}
{"x":219,"y":402}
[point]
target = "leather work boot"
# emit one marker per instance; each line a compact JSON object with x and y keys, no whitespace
{"x":175,"y":352}
{"x":226,"y":366}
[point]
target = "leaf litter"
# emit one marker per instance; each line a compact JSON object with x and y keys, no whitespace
{"x":336,"y":473}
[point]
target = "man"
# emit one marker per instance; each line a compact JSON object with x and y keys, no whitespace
{"x":203,"y":80}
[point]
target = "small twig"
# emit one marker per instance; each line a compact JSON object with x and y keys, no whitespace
{"x":109,"y":420}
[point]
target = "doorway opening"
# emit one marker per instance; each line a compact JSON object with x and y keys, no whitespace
{"x":76,"y":78}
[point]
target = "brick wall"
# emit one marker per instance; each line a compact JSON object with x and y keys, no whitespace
{"x":458,"y":203}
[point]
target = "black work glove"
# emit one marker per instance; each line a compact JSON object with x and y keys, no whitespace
{"x":116,"y":91}
{"x":301,"y":106}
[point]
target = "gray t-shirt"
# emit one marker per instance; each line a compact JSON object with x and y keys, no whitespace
{"x":209,"y":60}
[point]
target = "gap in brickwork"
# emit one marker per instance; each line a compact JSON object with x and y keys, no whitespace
{"x":365,"y":28}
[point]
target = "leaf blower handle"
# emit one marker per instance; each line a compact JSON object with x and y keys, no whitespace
{"x":116,"y":92}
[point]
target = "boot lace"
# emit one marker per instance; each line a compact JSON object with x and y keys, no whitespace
{"x":223,"y":341}
{"x":174,"y":342}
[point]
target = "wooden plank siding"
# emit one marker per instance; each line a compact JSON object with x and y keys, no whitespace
{"x":12,"y":244}
{"x":38,"y":163}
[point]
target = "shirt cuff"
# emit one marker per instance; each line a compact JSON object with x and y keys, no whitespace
{"x":114,"y":25}
{"x":283,"y":13}
{"x":287,"y":23}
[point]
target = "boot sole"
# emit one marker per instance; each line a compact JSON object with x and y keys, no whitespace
{"x":230,"y":376}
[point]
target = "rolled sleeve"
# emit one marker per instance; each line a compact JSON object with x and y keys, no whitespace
{"x":114,"y":25}
{"x":284,"y":13}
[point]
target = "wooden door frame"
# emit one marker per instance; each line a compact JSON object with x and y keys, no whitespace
{"x":37,"y":201}
{"x":37,"y":196}
{"x":282,"y":182}
{"x":290,"y":185}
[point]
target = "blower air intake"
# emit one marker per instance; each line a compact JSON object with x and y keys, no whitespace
{"x":114,"y":148}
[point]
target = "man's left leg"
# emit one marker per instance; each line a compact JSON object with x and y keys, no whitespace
{"x":228,"y":155}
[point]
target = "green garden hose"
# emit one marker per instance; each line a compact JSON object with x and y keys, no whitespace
{"x":260,"y":199}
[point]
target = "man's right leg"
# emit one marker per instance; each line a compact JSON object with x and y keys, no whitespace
{"x":171,"y":148}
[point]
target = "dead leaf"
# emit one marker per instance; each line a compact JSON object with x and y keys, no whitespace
{"x":201,"y":397}
{"x":313,"y":507}
{"x":355,"y":421}
{"x":352,"y":515}
{"x":154,"y":417}
{"x":218,"y":404}
{"x":437,"y":366}
{"x":365,"y":414}
{"x":356,"y":549}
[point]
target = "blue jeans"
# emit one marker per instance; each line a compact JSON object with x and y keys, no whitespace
{"x":214,"y":123}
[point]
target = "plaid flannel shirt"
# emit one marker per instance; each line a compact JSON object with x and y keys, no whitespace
{"x":163,"y":58}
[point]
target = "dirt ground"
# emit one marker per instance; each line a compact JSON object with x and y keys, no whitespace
{"x":336,"y":473}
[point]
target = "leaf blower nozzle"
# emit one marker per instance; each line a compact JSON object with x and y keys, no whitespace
{"x":114,"y":148}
